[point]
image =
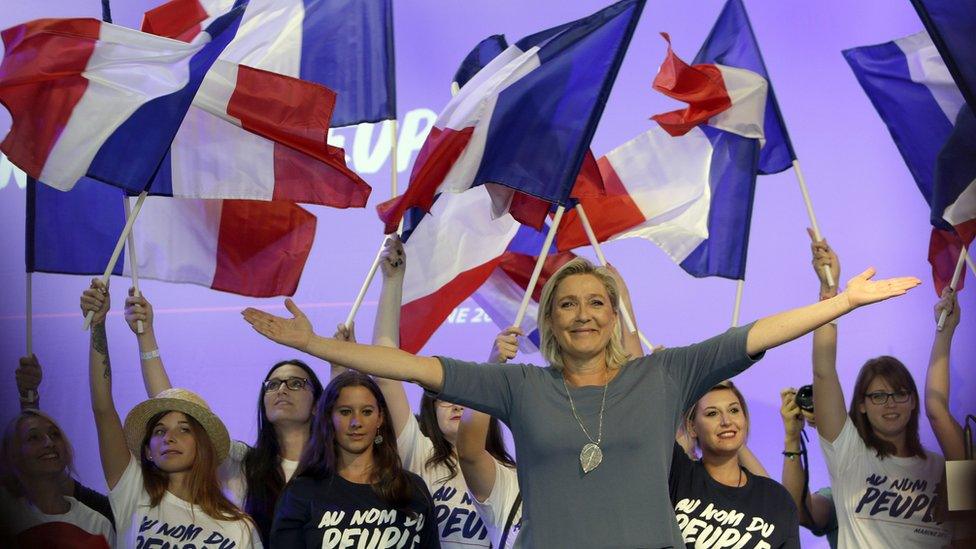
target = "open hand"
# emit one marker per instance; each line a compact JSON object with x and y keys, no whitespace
{"x":506,"y":345}
{"x":950,"y":303}
{"x":861,"y":290}
{"x":28,"y":374}
{"x":393,"y":260}
{"x":96,"y":300}
{"x":138,"y":308}
{"x":294,"y":332}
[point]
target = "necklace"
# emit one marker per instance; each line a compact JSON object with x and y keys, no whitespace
{"x":591,"y":455}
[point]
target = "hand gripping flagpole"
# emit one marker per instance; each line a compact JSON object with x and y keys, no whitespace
{"x":379,"y":253}
{"x":956,"y":275}
{"x":813,"y":218}
{"x":538,"y":265}
{"x":628,"y":320}
{"x":133,"y":260}
{"x":130,"y":219}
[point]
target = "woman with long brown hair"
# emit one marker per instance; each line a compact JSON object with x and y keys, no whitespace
{"x":883,"y":481}
{"x":161,"y":466}
{"x":350,"y":488}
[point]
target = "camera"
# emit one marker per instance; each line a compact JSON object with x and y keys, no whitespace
{"x":804,"y":398}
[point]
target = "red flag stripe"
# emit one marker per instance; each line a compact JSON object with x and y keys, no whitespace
{"x":50,"y":47}
{"x":178,"y":19}
{"x":701,"y":86}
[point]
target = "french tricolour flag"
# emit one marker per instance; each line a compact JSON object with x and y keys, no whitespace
{"x":910,"y":86}
{"x":245,"y":247}
{"x":687,"y":185}
{"x":524,"y":122}
{"x":115,"y":105}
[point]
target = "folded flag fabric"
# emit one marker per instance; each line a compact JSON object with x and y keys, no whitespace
{"x":257,"y":135}
{"x":346,"y":45}
{"x":732,"y":43}
{"x":910,"y":86}
{"x":115,"y":104}
{"x":954,"y":195}
{"x":524,"y":122}
{"x":478,"y":57}
{"x":245,"y":247}
{"x":450,"y":254}
{"x":952,"y":25}
{"x":691,"y":193}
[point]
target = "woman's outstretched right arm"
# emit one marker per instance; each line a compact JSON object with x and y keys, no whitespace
{"x":111,"y":439}
{"x":828,"y":395}
{"x":297,"y":333}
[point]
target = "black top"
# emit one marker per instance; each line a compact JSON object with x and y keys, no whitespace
{"x":333,"y":512}
{"x":94,"y":500}
{"x":760,"y":513}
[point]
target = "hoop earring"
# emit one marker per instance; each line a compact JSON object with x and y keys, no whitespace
{"x":378,"y":440}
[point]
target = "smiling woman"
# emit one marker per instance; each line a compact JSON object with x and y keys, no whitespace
{"x":591,"y":431}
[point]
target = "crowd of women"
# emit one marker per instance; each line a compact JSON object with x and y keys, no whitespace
{"x":615,"y":447}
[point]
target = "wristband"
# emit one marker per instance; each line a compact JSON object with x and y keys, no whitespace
{"x":792,"y":455}
{"x":149,"y":355}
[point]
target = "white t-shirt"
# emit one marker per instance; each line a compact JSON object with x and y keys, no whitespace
{"x":883,"y":502}
{"x":174,"y":522}
{"x":81,"y":526}
{"x":498,"y":505}
{"x":458,"y":523}
{"x":231,"y":472}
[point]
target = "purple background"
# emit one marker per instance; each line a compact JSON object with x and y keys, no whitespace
{"x":866,"y":202}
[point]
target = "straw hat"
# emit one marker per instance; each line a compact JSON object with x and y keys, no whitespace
{"x":176,"y":400}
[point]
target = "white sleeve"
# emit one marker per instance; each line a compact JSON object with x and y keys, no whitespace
{"x":125,"y":496}
{"x":231,"y":473}
{"x":844,"y":451}
{"x":496,"y":507}
{"x":414,"y":448}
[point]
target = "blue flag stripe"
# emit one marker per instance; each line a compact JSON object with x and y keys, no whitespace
{"x":477,"y":58}
{"x":952,"y":26}
{"x":732,"y":180}
{"x":348,"y":47}
{"x":917,"y":125}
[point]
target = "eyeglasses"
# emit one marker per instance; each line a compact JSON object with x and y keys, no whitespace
{"x":880,"y":398}
{"x":293,"y":383}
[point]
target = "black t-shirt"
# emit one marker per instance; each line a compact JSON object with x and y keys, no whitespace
{"x":333,"y":512}
{"x":98,"y":502}
{"x":758,"y":515}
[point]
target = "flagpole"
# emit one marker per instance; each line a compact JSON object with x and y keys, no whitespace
{"x":628,"y":320}
{"x":956,"y":275}
{"x":379,"y":253}
{"x":118,"y":249}
{"x":133,"y":260}
{"x":813,"y":218}
{"x":738,"y":301}
{"x":30,"y":316}
{"x":538,"y":265}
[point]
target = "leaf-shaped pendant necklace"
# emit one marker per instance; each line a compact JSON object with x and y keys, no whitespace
{"x":591,"y":455}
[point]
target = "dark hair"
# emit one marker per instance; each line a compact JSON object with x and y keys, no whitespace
{"x":320,"y":459}
{"x":261,"y":464}
{"x":444,"y":451}
{"x":900,"y":379}
{"x":203,"y":482}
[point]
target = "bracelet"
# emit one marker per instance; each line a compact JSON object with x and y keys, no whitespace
{"x":149,"y":355}
{"x":792,"y":455}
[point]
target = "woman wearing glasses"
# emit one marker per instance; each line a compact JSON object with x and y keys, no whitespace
{"x":883,"y":480}
{"x":253,"y":477}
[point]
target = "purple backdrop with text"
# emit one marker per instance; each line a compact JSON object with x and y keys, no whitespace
{"x":867,"y":205}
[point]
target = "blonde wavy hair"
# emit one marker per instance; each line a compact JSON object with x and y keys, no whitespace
{"x":616,"y":356}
